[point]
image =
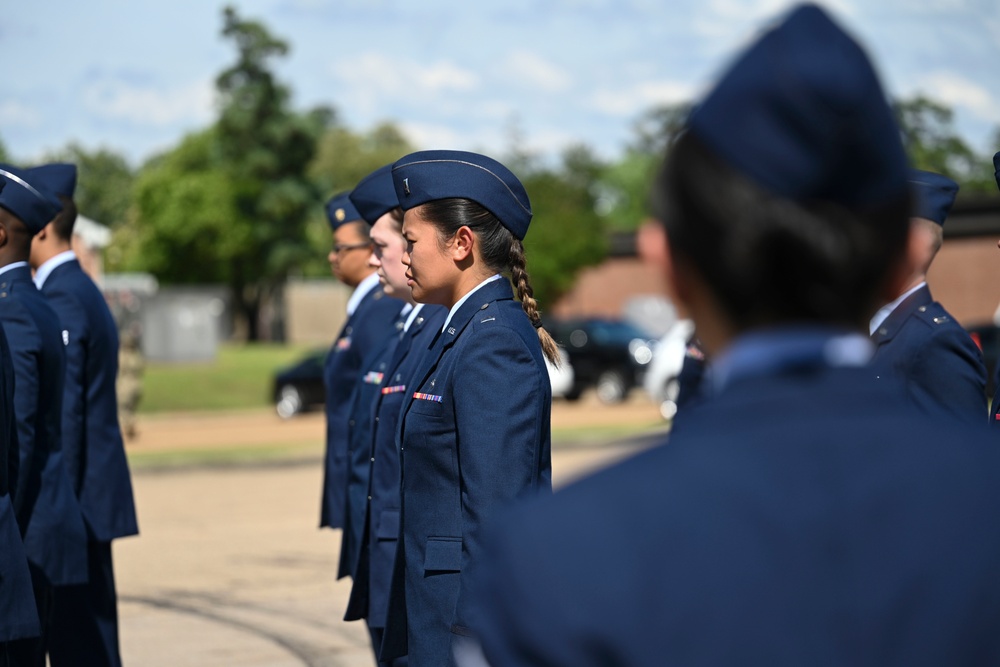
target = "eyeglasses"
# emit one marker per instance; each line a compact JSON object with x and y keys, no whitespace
{"x":341,"y":247}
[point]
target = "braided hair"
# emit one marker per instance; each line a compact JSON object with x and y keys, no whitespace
{"x":501,"y":251}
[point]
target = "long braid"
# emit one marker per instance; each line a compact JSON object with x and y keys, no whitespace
{"x":519,"y":276}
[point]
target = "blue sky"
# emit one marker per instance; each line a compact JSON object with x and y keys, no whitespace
{"x":135,"y":76}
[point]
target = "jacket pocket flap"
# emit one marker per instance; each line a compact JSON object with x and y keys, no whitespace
{"x":443,"y":554}
{"x":388,"y":525}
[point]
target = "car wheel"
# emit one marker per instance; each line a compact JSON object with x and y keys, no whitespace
{"x":289,"y":402}
{"x":611,"y":387}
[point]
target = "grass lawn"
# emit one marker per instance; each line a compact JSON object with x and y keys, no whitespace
{"x":240,"y":377}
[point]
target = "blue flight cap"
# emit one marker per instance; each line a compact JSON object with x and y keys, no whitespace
{"x":28,"y":201}
{"x":996,"y":167}
{"x":802,"y":114}
{"x":933,"y":195}
{"x":340,"y":210}
{"x":430,"y":175}
{"x":375,"y":195}
{"x":59,"y":178}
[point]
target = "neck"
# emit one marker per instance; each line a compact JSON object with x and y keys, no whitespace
{"x":45,"y":253}
{"x":914,"y":281}
{"x":467,"y":282}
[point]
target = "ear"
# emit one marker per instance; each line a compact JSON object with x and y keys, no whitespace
{"x":909,"y":266}
{"x":462,"y":244}
{"x":41,"y":236}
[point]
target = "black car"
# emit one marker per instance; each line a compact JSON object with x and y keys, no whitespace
{"x":608,"y":354}
{"x":299,"y":387}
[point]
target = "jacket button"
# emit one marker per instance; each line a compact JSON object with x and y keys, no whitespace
{"x":373,"y":459}
{"x":376,"y":420}
{"x":351,"y":422}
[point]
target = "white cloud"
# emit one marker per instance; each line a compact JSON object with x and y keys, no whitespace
{"x":149,"y":105}
{"x":428,"y":136}
{"x":730,"y":24}
{"x":16,"y":114}
{"x":956,"y":91}
{"x":381,"y":73}
{"x":536,"y":72}
{"x":630,"y":101}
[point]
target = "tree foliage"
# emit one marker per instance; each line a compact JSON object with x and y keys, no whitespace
{"x":231,"y":203}
{"x":104,"y":183}
{"x":566,"y":233}
{"x":933,"y":144}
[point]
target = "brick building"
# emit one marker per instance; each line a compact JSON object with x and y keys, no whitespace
{"x":965,"y":276}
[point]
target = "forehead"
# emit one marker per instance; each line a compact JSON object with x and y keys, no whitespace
{"x":385,"y":227}
{"x":349,"y":233}
{"x":413,"y":220}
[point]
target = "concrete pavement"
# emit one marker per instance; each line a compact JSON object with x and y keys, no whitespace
{"x":230,"y":568}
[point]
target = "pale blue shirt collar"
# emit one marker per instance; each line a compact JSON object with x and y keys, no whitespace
{"x":458,"y":304}
{"x":361,"y":291}
{"x":882,"y":313}
{"x":412,"y":316}
{"x":757,"y":352}
{"x":50,"y":265}
{"x":12,"y":266}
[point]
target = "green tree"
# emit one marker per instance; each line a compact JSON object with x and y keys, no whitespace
{"x":104,"y":183}
{"x":933,"y":144}
{"x":231,"y":203}
{"x":566,"y":233}
{"x":344,"y":157}
{"x":624,"y":185}
{"x":186,"y":207}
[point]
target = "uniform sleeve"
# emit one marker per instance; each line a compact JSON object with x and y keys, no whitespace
{"x":948,"y":374}
{"x":7,"y":421}
{"x":25,"y":355}
{"x":499,"y":401}
{"x":73,"y":320}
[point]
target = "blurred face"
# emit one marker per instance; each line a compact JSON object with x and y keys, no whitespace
{"x":431,"y":272}
{"x":388,"y":246}
{"x":349,"y":256}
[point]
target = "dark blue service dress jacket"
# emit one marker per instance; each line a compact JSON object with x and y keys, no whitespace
{"x":940,"y":365}
{"x":359,"y":430}
{"x":474,"y":436}
{"x":18,"y":615}
{"x":51,"y":521}
{"x":360,"y":335}
{"x":370,"y":592}
{"x":92,"y":441}
{"x":804,"y":515}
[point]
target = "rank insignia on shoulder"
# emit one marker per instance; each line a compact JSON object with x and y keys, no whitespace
{"x":65,"y":336}
{"x":941,"y":319}
{"x":427,"y":397}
